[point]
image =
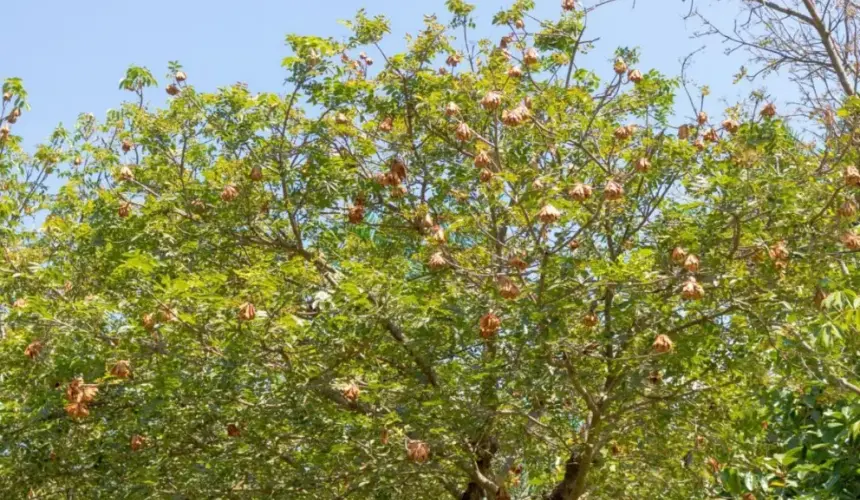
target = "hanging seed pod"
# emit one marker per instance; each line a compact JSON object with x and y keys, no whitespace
{"x":623,"y":132}
{"x":172,"y":89}
{"x":731,"y":126}
{"x":702,"y":118}
{"x":256,"y":173}
{"x":699,"y":144}
{"x":820,"y":297}
{"x":489,"y":325}
{"x":851,"y":176}
{"x":642,"y":165}
{"x":437,"y":234}
{"x":355,"y":214}
{"x":351,"y":392}
{"x":148,"y":321}
{"x":124,"y":210}
{"x":32,"y":351}
{"x":692,"y":290}
{"x":137,"y":442}
{"x":655,"y":377}
{"x":505,"y":40}
{"x":399,"y":191}
{"x":590,"y":320}
{"x":691,"y":263}
{"x":229,"y":193}
{"x":683,"y":132}
{"x":778,"y":251}
{"x":486,"y":175}
{"x":573,"y":245}
{"x":507,"y":288}
{"x":516,"y":116}
{"x":451,"y":109}
{"x":341,"y":119}
{"x":121,"y":369}
{"x":530,"y":56}
{"x":711,"y":135}
{"x":233,"y":430}
{"x":515,"y":72}
{"x":247,"y":311}
{"x":398,"y":169}
{"x":386,"y":125}
{"x":518,"y":263}
{"x":568,"y":4}
{"x":463,"y":132}
{"x":620,"y":67}
{"x":613,"y":191}
{"x":437,"y":261}
{"x":7,"y":96}
{"x":482,"y":159}
{"x":417,"y":451}
{"x":851,"y":241}
{"x":679,"y":255}
{"x":848,"y":209}
{"x":635,"y":76}
{"x":491,"y":100}
{"x":662,"y":344}
{"x":519,"y":24}
{"x":453,"y":59}
{"x":769,"y":110}
{"x":549,"y":214}
{"x":580,"y":192}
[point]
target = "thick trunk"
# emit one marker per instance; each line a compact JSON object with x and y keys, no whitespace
{"x":564,"y":489}
{"x":486,"y":449}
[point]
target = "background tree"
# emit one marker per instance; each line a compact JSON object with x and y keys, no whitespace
{"x":475,"y":270}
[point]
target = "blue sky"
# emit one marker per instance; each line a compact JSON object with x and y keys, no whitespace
{"x":71,"y":55}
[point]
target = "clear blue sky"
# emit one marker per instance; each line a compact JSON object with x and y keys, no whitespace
{"x":72,"y":54}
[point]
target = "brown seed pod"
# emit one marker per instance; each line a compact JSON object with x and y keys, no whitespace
{"x":683,"y":132}
{"x":451,"y":109}
{"x":384,"y":436}
{"x":397,"y":168}
{"x":517,"y":263}
{"x":769,"y":110}
{"x":623,"y":132}
{"x":700,"y":441}
{"x":699,"y":144}
{"x":714,"y":465}
{"x":166,"y":314}
{"x":655,"y":377}
{"x":256,"y":173}
{"x":32,"y":351}
{"x":748,"y":496}
{"x":77,"y":410}
{"x":580,"y":192}
{"x":229,"y":193}
{"x":568,"y":4}
{"x":437,"y":261}
{"x":386,"y":125}
{"x":137,"y":442}
{"x":355,"y":213}
{"x":515,"y":72}
{"x":77,"y":162}
{"x":148,"y":321}
{"x":662,"y":344}
{"x":613,"y":191}
{"x":491,"y":100}
{"x":711,"y":135}
{"x":233,"y":430}
{"x":590,"y":320}
{"x":851,"y":241}
{"x":702,"y":118}
{"x":126,"y":145}
{"x":351,"y":392}
{"x":341,"y":119}
{"x":778,"y":251}
{"x":417,"y":451}
{"x":463,"y":132}
{"x":247,"y":311}
{"x":819,"y":298}
{"x":530,"y":56}
{"x":399,"y":191}
{"x":573,"y":245}
{"x":486,"y":175}
{"x":731,"y":126}
{"x":851,"y":176}
{"x":126,"y":173}
{"x":692,"y":290}
{"x":489,"y":325}
{"x":7,"y":96}
{"x":437,"y":234}
{"x":679,"y":255}
{"x":635,"y":76}
{"x":549,"y":214}
{"x":620,"y":67}
{"x":180,"y":76}
{"x":4,"y":132}
{"x":124,"y":210}
{"x":507,"y":288}
{"x":453,"y":59}
{"x":642,"y":165}
{"x":482,"y":159}
{"x":172,"y":89}
{"x":516,"y":116}
{"x":848,"y":209}
{"x":121,"y":369}
{"x":691,"y":263}
{"x":519,"y":24}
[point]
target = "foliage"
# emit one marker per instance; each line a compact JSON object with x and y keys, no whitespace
{"x":508,"y":276}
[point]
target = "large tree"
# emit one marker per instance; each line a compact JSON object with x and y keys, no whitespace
{"x":475,"y":270}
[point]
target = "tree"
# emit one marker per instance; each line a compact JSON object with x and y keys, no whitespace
{"x":506,"y":277}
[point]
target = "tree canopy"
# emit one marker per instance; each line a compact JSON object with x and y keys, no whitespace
{"x":472,"y":269}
